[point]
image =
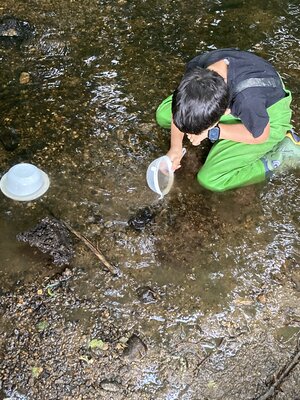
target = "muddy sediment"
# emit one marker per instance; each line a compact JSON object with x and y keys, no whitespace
{"x":59,"y":342}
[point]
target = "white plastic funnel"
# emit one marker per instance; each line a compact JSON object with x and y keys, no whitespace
{"x":24,"y":182}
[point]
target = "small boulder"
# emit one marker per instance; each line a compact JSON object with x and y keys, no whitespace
{"x":141,"y":218}
{"x":136,"y":348}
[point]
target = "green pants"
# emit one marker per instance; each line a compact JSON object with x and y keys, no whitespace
{"x":231,"y":164}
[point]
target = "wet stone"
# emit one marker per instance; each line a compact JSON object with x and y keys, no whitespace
{"x":14,"y":395}
{"x":24,"y":78}
{"x":110,"y":386}
{"x":50,"y":236}
{"x":135,"y":349}
{"x":9,"y":138}
{"x":95,"y":219}
{"x":141,"y":218}
{"x":147,"y":295}
{"x":14,"y":31}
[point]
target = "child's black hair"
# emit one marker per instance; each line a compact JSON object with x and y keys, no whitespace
{"x":200,"y":100}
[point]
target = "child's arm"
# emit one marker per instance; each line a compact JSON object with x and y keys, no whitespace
{"x":175,"y":152}
{"x":239,"y":133}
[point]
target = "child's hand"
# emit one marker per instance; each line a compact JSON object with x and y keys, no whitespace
{"x":175,"y":156}
{"x":197,"y":139}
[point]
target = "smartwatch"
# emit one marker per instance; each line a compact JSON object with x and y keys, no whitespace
{"x":214,"y":134}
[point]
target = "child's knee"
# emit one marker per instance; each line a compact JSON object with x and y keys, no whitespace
{"x":210,"y":181}
{"x":162,"y":119}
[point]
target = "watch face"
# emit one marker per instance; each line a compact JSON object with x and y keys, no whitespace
{"x":214,"y":133}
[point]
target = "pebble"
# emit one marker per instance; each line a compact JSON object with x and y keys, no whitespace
{"x":24,"y":78}
{"x":262,"y":298}
{"x":147,"y":295}
{"x":110,"y":386}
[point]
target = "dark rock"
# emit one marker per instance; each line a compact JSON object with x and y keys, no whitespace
{"x":9,"y":137}
{"x":52,"y":237}
{"x":141,"y":218}
{"x":14,"y":31}
{"x":147,"y":295}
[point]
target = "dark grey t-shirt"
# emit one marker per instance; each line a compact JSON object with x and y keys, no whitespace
{"x":249,"y":105}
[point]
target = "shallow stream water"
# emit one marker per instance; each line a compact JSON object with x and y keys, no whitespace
{"x":98,"y":70}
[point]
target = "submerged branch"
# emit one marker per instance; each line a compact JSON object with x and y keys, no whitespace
{"x":280,"y":376}
{"x":90,"y":245}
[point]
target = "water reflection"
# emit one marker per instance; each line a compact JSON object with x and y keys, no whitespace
{"x":99,"y":70}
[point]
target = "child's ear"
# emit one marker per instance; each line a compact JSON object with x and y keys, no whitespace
{"x":228,"y":111}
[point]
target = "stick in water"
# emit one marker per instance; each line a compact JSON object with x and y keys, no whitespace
{"x":97,"y":253}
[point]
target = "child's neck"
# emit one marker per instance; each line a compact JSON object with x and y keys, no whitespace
{"x":220,"y":67}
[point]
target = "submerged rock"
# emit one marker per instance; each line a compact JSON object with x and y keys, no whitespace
{"x":14,"y":31}
{"x":147,"y":295}
{"x":52,"y":237}
{"x":9,"y":138}
{"x":141,"y":218}
{"x":135,"y":349}
{"x":24,"y":78}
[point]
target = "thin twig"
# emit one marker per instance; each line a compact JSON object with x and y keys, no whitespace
{"x":96,"y":251}
{"x":210,"y":354}
{"x":281,"y":375}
